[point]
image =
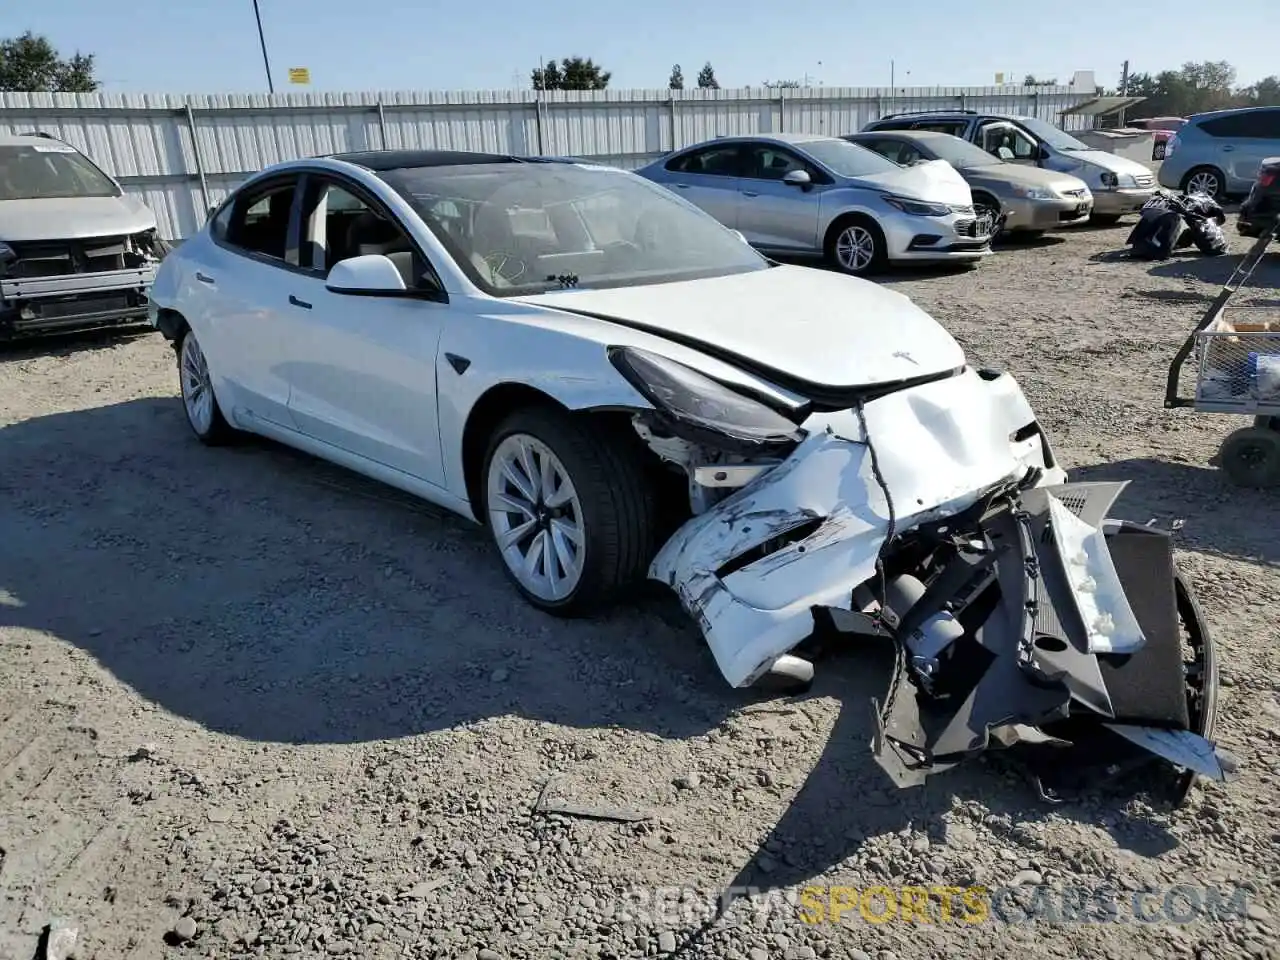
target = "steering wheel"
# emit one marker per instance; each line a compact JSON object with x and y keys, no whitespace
{"x":499,"y":263}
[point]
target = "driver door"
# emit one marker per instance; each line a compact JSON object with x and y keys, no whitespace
{"x":363,"y":375}
{"x":1009,"y":142}
{"x":773,"y":213}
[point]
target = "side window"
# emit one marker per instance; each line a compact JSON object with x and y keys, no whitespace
{"x":1255,"y":124}
{"x":953,"y":127}
{"x":1007,"y":142}
{"x":885,"y":147}
{"x":908,"y":154}
{"x":338,"y":224}
{"x":719,"y":161}
{"x":892,"y":125}
{"x":258,"y":222}
{"x":768,"y":162}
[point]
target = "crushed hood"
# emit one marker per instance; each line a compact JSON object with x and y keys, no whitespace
{"x":935,"y":181}
{"x":811,"y":326}
{"x":70,"y":218}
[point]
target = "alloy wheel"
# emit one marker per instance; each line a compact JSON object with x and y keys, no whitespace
{"x":855,"y":248}
{"x":1206,"y":182}
{"x":536,"y":517}
{"x":197,"y":386}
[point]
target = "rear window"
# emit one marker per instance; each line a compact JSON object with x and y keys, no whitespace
{"x":1251,"y":124}
{"x":50,"y":171}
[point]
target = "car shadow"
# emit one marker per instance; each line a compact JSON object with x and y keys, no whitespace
{"x":1190,"y":265}
{"x":1168,"y":492}
{"x":71,"y":342}
{"x":264,"y":595}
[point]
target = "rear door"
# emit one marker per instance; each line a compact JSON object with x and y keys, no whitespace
{"x":710,"y":178}
{"x":240,"y":294}
{"x":775,"y":214}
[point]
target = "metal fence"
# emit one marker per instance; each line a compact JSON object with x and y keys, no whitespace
{"x":183,"y":154}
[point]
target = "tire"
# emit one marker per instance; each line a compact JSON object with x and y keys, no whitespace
{"x":204,"y":415}
{"x":1209,"y":180}
{"x":1105,"y":219}
{"x":611,"y":511}
{"x":856,"y":245}
{"x":1250,"y":457}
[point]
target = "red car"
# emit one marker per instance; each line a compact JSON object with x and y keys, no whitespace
{"x":1163,"y":127}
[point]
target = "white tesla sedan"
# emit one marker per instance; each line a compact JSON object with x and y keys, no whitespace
{"x":615,"y":386}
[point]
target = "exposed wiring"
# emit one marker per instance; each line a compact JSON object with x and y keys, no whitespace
{"x":899,"y":665}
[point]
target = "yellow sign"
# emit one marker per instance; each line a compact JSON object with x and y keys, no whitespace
{"x":299,"y":75}
{"x":999,"y":79}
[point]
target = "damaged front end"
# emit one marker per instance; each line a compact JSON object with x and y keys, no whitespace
{"x":933,"y":517}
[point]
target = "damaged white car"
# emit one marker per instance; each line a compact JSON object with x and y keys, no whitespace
{"x":618,"y":387}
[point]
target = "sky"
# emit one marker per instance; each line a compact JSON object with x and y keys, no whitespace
{"x":211,"y":46}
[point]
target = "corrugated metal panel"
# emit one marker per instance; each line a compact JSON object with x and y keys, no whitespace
{"x":147,"y":140}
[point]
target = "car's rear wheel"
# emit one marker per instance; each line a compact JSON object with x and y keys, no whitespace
{"x":856,"y":245}
{"x":198,"y":399}
{"x":1206,"y":180}
{"x":570,"y":508}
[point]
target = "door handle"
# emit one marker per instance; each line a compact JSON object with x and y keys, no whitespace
{"x":748,"y":193}
{"x":204,"y":277}
{"x":682,"y":186}
{"x":1227,"y":148}
{"x":299,"y":303}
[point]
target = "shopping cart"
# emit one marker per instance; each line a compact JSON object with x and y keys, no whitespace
{"x":1237,"y":371}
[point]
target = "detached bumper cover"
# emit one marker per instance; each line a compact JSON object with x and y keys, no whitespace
{"x":1054,"y":625}
{"x":939,"y":447}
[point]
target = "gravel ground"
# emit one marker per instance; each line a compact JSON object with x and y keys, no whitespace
{"x":250,"y":704}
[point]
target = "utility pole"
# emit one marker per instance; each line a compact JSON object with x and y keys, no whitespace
{"x":893,"y":90}
{"x":1124,"y":89}
{"x":271,"y":88}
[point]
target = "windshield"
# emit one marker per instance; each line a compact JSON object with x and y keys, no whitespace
{"x":1051,"y":135}
{"x":959,"y":153}
{"x":48,"y":171}
{"x":522,"y":228}
{"x":847,"y":159}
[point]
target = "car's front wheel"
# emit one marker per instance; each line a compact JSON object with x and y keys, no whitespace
{"x":1206,"y":180}
{"x":857,"y":245}
{"x":203,"y":413}
{"x":570,"y":508}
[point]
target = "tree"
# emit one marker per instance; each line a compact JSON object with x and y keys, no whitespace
{"x":677,"y":78}
{"x":1193,"y":88}
{"x":1264,"y":93}
{"x":31,"y":64}
{"x":1030,"y":81}
{"x":707,"y":78}
{"x":575,"y":73}
{"x":782,"y":84}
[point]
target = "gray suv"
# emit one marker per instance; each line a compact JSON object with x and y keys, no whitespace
{"x":1220,"y":153}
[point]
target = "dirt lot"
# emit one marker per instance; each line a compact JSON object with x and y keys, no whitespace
{"x":310,"y":716}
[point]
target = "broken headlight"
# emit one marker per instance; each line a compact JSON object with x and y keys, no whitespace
{"x":698,"y":408}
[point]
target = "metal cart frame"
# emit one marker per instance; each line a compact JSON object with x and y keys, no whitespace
{"x":1249,"y":456}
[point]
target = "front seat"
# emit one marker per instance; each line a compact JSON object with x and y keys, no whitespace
{"x":370,"y":233}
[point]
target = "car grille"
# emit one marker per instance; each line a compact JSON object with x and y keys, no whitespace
{"x":57,"y":258}
{"x":971,"y":228}
{"x":1078,"y":192}
{"x":1145,"y":180}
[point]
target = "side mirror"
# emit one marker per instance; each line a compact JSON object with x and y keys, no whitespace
{"x":370,"y":274}
{"x":798,"y":178}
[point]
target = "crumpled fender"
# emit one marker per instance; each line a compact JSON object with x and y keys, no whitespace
{"x":938,"y":446}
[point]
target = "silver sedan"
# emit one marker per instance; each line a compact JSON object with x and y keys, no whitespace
{"x":810,"y":195}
